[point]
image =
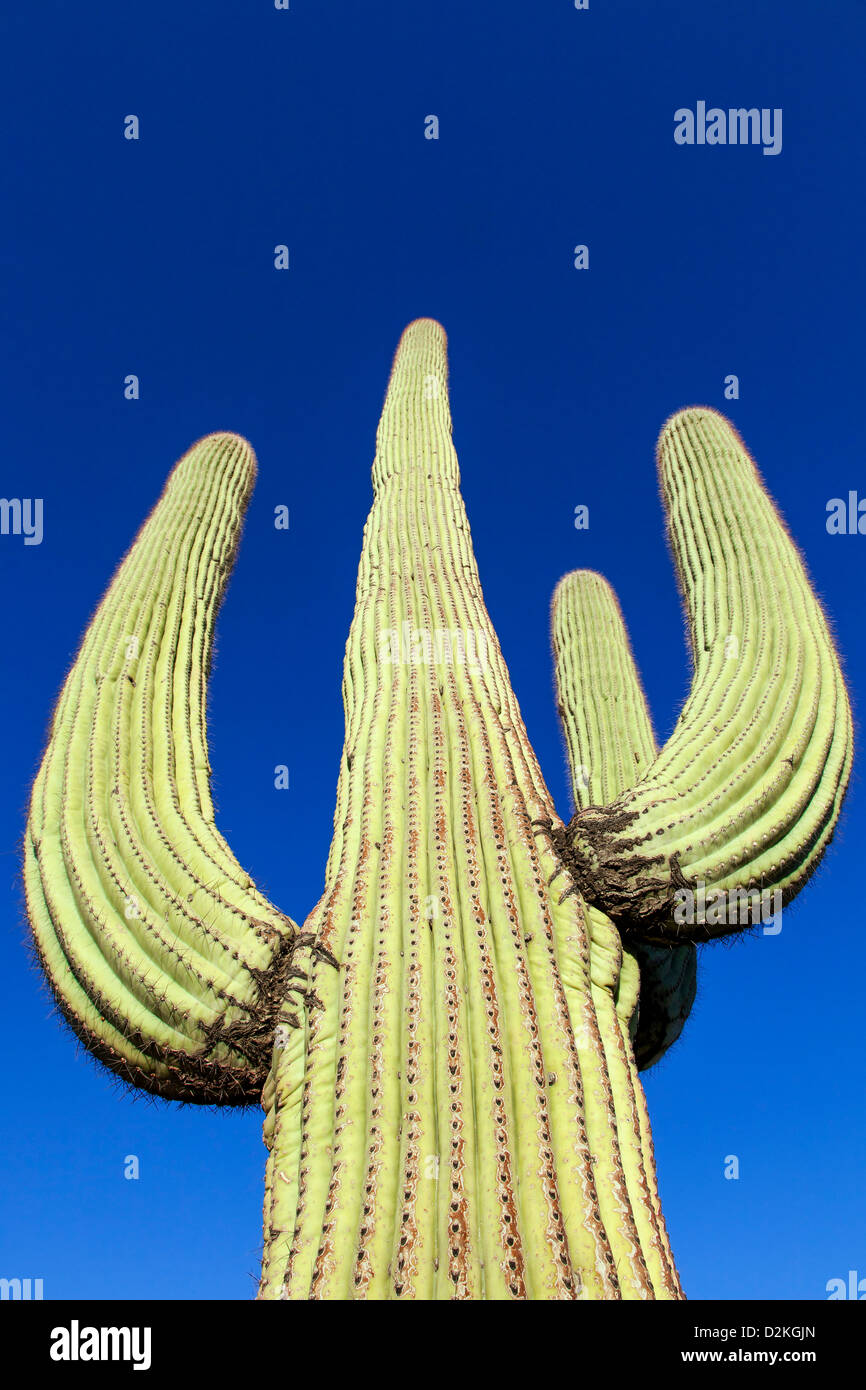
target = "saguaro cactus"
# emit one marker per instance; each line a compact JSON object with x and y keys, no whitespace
{"x":447,"y":1053}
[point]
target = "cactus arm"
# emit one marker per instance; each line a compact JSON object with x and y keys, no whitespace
{"x":461,"y":1131}
{"x":610,"y":745}
{"x":746,"y":792}
{"x":161,"y":954}
{"x":600,"y":698}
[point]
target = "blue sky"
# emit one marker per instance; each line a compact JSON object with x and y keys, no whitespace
{"x":260,"y":127}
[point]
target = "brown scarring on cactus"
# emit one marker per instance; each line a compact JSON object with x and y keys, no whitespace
{"x":448,"y":1053}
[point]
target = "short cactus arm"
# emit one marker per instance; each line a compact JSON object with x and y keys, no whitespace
{"x":161,"y":953}
{"x":610,"y":745}
{"x":599,"y":695}
{"x":746,"y":792}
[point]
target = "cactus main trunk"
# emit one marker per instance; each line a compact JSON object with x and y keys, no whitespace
{"x":458,"y":1113}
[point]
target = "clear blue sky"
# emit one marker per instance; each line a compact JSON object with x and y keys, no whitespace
{"x":306,"y":127}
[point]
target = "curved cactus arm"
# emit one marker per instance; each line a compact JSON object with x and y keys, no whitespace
{"x":611,"y":744}
{"x":742,"y":800}
{"x":160,"y":951}
{"x":466,"y":1123}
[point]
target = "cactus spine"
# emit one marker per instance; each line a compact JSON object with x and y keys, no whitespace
{"x":446,"y":1053}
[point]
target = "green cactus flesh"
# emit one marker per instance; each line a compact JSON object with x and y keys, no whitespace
{"x":160,"y":951}
{"x":447,"y":1053}
{"x":747,"y":790}
{"x":610,"y":745}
